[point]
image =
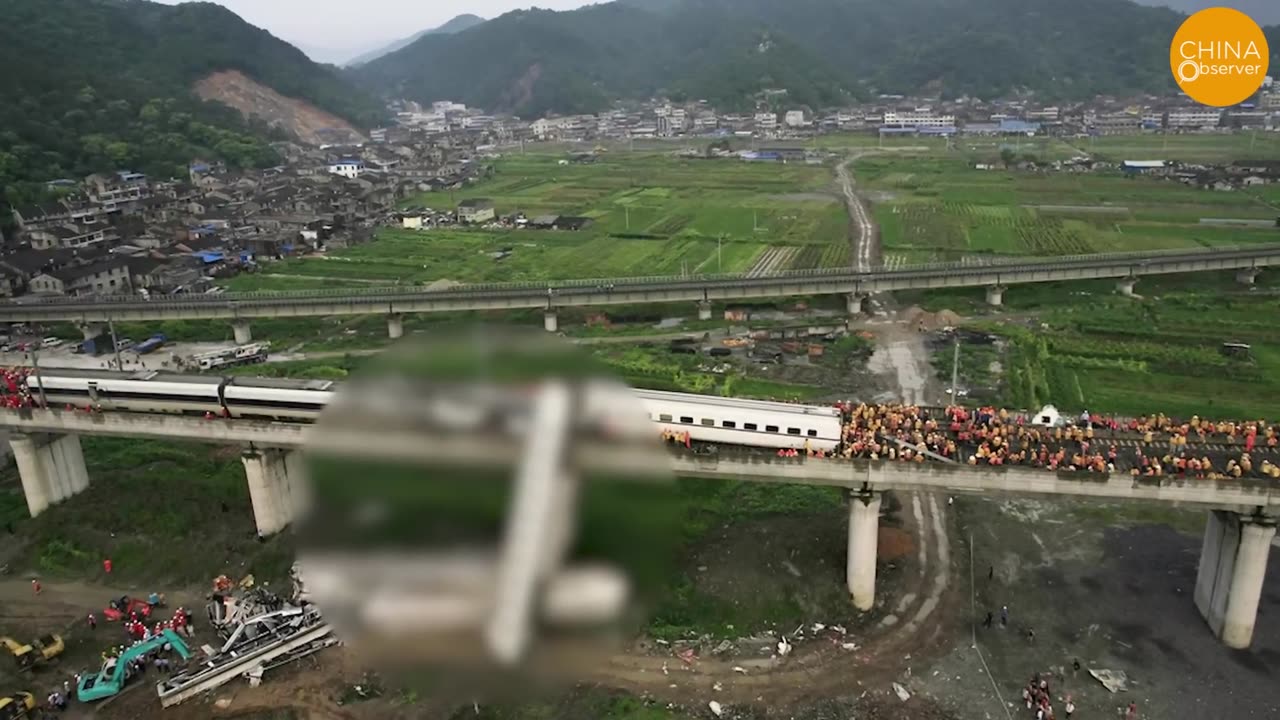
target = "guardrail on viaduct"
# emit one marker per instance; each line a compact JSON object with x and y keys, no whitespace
{"x":996,"y":273}
{"x":422,"y":444}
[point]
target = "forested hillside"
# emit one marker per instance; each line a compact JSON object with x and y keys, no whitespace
{"x":92,"y":85}
{"x":820,"y":51}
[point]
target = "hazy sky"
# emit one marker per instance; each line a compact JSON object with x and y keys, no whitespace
{"x":337,"y":30}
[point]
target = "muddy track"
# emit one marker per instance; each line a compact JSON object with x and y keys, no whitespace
{"x":912,"y":631}
{"x":863,"y":238}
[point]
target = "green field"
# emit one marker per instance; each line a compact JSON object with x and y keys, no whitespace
{"x":1184,"y":148}
{"x":652,"y":215}
{"x":1133,"y":356}
{"x":941,"y":208}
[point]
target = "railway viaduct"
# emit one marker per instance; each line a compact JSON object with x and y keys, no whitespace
{"x":394,"y":302}
{"x":1233,"y":559}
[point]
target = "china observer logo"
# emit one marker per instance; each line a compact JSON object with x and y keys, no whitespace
{"x":1219,"y":57}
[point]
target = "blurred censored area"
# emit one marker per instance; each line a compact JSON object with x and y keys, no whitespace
{"x":488,"y":507}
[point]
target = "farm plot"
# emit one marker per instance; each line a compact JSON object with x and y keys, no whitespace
{"x":1139,"y":357}
{"x":675,"y":208}
{"x":773,"y":260}
{"x":1186,"y":148}
{"x":944,"y":208}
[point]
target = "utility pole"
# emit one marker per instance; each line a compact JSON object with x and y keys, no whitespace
{"x":955,"y":372}
{"x":115,"y":344}
{"x":719,"y":264}
{"x":35,"y":364}
{"x":755,"y":220}
{"x":627,"y":210}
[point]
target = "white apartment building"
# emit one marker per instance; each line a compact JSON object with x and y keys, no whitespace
{"x":920,"y":117}
{"x":347,"y":168}
{"x":766,"y":121}
{"x":795,"y":119}
{"x":1193,"y":118}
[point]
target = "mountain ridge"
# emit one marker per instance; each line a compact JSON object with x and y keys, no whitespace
{"x":822,"y":51}
{"x":455,"y":25}
{"x":1263,"y":12}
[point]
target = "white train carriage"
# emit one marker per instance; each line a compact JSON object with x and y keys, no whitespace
{"x":185,"y":397}
{"x":754,"y":423}
{"x":274,"y":403}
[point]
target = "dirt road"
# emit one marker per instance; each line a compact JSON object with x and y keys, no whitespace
{"x":862,"y":235}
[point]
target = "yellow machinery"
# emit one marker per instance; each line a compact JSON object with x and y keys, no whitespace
{"x":28,"y":655}
{"x":17,"y":705}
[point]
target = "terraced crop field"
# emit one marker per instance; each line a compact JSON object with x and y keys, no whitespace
{"x":941,"y":208}
{"x":1120,"y":355}
{"x":652,"y":214}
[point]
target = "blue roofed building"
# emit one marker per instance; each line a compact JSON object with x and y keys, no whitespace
{"x":1013,"y":126}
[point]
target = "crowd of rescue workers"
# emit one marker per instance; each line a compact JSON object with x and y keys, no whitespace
{"x":1150,"y":445}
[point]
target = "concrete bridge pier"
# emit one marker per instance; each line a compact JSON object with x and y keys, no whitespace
{"x":995,"y":295}
{"x":857,"y":303}
{"x":864,"y":534}
{"x":51,"y":466}
{"x":243,"y":333}
{"x":277,"y":487}
{"x":1125,"y":286}
{"x":550,"y":321}
{"x":92,"y":330}
{"x":395,"y":326}
{"x":1233,"y":564}
{"x":704,"y":310}
{"x":1247,"y":276}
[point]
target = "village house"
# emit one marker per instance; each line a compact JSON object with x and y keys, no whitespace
{"x":155,"y":275}
{"x":66,"y":236}
{"x":476,"y":210}
{"x":347,"y":167}
{"x":117,"y":192}
{"x":106,"y":277}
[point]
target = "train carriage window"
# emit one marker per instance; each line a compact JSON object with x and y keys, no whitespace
{"x":793,"y":431}
{"x":664,"y":418}
{"x":708,"y":422}
{"x":686,"y":420}
{"x":771,"y":428}
{"x":729,"y":424}
{"x":750,"y":426}
{"x":812,"y":433}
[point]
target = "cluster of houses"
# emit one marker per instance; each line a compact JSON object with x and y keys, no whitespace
{"x":481,"y":212}
{"x":1237,"y":175}
{"x":887,"y":114}
{"x":122,"y":232}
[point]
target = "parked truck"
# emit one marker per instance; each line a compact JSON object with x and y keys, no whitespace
{"x":151,"y":344}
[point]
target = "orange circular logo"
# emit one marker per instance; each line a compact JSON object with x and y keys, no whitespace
{"x":1219,"y":57}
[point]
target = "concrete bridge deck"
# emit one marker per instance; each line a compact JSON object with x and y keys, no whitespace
{"x":995,"y":274}
{"x":417,"y":443}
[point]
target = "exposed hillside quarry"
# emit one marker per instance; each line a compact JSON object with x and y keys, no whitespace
{"x":104,"y":85}
{"x":256,"y":101}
